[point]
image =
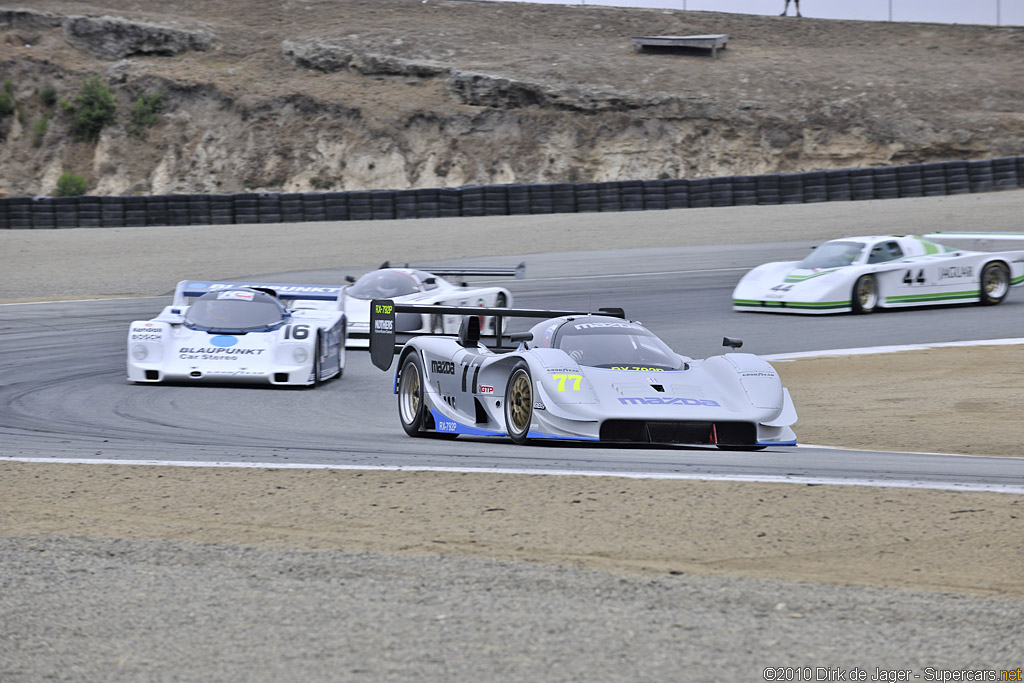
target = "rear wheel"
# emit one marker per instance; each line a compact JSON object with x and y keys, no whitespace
{"x":519,"y":403}
{"x":317,"y":365}
{"x":410,"y":396}
{"x":865,"y":294}
{"x":995,"y":283}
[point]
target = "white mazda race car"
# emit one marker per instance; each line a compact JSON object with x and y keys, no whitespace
{"x":860,"y":274}
{"x":415,"y":286}
{"x":577,"y":376}
{"x":238,"y":332}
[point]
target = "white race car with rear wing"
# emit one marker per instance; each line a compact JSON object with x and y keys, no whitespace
{"x":241,"y":332}
{"x":860,"y":274}
{"x":422,"y":286}
{"x":577,"y":376}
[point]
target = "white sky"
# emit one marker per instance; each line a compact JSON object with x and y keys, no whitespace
{"x":1002,"y":12}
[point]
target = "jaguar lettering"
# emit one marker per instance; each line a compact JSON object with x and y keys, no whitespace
{"x":956,"y":272}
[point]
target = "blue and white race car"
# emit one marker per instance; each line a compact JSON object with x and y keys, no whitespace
{"x":241,"y":332}
{"x":577,"y":376}
{"x":860,"y":274}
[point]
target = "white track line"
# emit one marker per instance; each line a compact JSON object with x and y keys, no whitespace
{"x":765,"y":479}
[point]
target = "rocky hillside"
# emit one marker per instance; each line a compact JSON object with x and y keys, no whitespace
{"x":300,"y":95}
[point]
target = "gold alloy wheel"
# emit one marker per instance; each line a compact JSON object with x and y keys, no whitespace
{"x":520,"y":402}
{"x":995,"y":282}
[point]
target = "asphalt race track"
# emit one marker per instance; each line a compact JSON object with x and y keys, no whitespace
{"x":63,"y":365}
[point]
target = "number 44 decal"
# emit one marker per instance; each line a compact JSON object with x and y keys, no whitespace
{"x":909,"y":279}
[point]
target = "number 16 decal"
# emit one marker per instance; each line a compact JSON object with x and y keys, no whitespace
{"x":296,"y":331}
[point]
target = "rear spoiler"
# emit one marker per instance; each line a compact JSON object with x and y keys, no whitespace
{"x":384,"y":343}
{"x":982,"y":241}
{"x":187,"y":289}
{"x":519,"y":272}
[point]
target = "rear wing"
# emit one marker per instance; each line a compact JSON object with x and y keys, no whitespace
{"x":189,"y":290}
{"x":519,"y":272}
{"x":385,"y":342}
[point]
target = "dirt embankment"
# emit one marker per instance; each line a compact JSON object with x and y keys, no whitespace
{"x":346,"y":94}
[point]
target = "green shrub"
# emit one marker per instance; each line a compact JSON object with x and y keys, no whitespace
{"x":145,"y":111}
{"x":71,"y":185}
{"x":94,"y":108}
{"x":48,"y":94}
{"x":7,"y":99}
{"x":39,"y":130}
{"x":321,"y":183}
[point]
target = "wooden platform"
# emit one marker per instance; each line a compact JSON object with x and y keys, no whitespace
{"x":709,"y":42}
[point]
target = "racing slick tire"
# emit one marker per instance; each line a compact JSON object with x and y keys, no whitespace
{"x":995,"y":283}
{"x":864,"y":298}
{"x":519,"y":403}
{"x":317,"y":369}
{"x":411,"y":404}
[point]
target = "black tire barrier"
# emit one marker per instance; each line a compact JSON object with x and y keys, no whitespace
{"x":880,"y":182}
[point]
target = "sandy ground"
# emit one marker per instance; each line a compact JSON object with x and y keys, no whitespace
{"x":933,"y":540}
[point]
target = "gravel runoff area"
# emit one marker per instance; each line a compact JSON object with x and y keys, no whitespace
{"x":140,"y":573}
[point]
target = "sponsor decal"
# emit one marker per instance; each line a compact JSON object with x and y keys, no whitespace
{"x":380,"y":325}
{"x":224,"y":340}
{"x":956,"y":272}
{"x":153,"y":336}
{"x":447,"y":426}
{"x":641,"y":368}
{"x":484,"y":389}
{"x":667,"y":401}
{"x":757,"y":374}
{"x":215,"y":350}
{"x":236,"y":295}
{"x":539,"y":406}
{"x":280,"y":289}
{"x":442,"y":367}
{"x":591,"y":326}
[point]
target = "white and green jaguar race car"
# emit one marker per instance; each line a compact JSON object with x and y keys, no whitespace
{"x":861,"y":274}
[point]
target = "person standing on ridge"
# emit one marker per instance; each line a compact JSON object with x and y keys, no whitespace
{"x":786,"y":8}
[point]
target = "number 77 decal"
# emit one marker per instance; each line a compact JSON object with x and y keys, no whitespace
{"x":561,"y":378}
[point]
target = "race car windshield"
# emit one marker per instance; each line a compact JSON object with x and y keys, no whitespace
{"x":235,"y":311}
{"x":833,"y":255}
{"x":383,"y":284}
{"x":622,"y":345}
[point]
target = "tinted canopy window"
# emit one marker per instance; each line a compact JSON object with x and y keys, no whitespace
{"x":833,"y":255}
{"x":235,"y":310}
{"x":615,"y":343}
{"x":383,"y":284}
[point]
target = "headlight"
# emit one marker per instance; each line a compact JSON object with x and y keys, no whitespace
{"x":139,"y":352}
{"x":300,"y":354}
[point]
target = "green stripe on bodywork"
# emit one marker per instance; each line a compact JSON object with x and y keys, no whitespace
{"x":1017,"y":280}
{"x":801,"y":278}
{"x":943,"y":296}
{"x":932,"y":247}
{"x":817,"y":305}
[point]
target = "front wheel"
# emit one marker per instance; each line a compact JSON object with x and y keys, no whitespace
{"x":865,"y":294}
{"x":410,"y":396}
{"x":995,"y":283}
{"x":519,"y":403}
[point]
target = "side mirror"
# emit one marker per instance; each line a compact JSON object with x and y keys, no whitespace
{"x":350,"y":279}
{"x":732,"y":342}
